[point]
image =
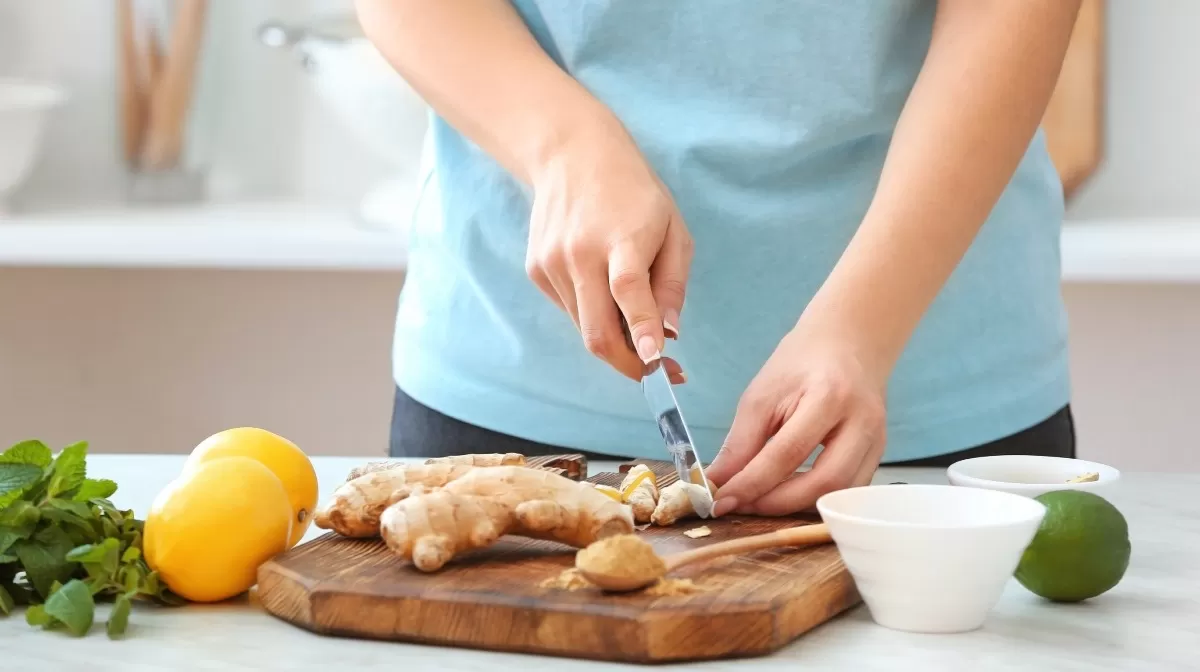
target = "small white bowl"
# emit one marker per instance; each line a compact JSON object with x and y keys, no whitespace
{"x":930,"y":558}
{"x":23,"y":109}
{"x":1030,"y":475}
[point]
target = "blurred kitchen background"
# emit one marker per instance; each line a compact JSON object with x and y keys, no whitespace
{"x":230,"y":252}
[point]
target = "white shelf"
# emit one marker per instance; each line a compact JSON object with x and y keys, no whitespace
{"x":291,"y":236}
{"x":1132,"y":251}
{"x":255,"y":236}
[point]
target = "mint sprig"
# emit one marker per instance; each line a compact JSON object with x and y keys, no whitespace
{"x":64,"y":545}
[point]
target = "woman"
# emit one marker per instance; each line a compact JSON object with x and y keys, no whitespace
{"x":853,"y":197}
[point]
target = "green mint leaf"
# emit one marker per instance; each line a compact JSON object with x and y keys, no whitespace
{"x":27,"y":452}
{"x":95,"y":572}
{"x":36,"y":615}
{"x":20,"y":518}
{"x":8,"y":537}
{"x":42,"y":568}
{"x":69,"y":469}
{"x":118,"y":618}
{"x":131,"y":554}
{"x":87,"y":553}
{"x":106,"y":507}
{"x":110,"y":530}
{"x":150,"y":585}
{"x":44,"y":558}
{"x":15,"y":479}
{"x":132,"y":541}
{"x":112,"y":555}
{"x":6,"y":558}
{"x":131,"y":576}
{"x":95,"y":489}
{"x":80,"y":528}
{"x":96,"y":584}
{"x":130,"y":525}
{"x":157,"y":591}
{"x":73,"y":605}
{"x":7,"y":603}
{"x":80,"y":509}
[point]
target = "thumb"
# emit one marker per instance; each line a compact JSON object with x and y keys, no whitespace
{"x":669,"y":274}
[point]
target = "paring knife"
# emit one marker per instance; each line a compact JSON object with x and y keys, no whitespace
{"x":656,"y":386}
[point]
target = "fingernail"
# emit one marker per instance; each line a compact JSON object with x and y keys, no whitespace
{"x":723,"y":506}
{"x":669,"y":322}
{"x":646,"y":349}
{"x":682,"y":377}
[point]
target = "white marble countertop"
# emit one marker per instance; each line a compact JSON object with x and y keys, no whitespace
{"x":1151,"y":621}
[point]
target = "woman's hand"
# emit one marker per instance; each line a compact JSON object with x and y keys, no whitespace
{"x":605,"y":234}
{"x":605,"y":240}
{"x":814,"y":390}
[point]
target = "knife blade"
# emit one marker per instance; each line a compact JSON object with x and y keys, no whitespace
{"x":656,"y":387}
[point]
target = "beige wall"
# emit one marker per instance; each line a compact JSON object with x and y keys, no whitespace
{"x":1136,"y":374}
{"x":154,"y":361}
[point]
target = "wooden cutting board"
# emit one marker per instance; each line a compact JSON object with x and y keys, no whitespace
{"x":494,"y":598}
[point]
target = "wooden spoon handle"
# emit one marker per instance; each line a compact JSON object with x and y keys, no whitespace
{"x":792,"y":536}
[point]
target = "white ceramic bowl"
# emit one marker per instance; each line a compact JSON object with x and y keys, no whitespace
{"x":930,"y":558}
{"x":1030,"y":475}
{"x":23,"y":109}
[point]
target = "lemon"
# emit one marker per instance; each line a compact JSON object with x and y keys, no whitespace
{"x":281,"y":456}
{"x":1081,"y":549}
{"x":209,"y":529}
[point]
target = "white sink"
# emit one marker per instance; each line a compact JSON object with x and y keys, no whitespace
{"x":24,"y":106}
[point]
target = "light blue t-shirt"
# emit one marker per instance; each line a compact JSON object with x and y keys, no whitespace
{"x":769,"y":121}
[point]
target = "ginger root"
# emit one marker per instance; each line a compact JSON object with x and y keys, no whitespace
{"x":369,"y":467}
{"x":357,"y":504}
{"x":477,"y":508}
{"x":674,"y":503}
{"x":639,"y":489}
{"x":474,"y":460}
{"x":482,"y":460}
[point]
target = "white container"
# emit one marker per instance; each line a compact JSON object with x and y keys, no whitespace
{"x":371,"y":100}
{"x":24,"y":106}
{"x":930,"y":558}
{"x":1031,"y":475}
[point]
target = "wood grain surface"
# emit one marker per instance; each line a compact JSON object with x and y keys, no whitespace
{"x":494,"y":599}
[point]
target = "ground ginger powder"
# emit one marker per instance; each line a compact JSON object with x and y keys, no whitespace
{"x":623,"y":555}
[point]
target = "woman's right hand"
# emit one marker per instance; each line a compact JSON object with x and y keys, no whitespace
{"x":605,"y":240}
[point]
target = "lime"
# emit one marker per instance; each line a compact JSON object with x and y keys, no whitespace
{"x":1080,"y":551}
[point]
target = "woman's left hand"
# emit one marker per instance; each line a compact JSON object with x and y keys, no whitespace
{"x":816,"y":389}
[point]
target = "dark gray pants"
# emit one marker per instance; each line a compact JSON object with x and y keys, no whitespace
{"x":419,"y":431}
